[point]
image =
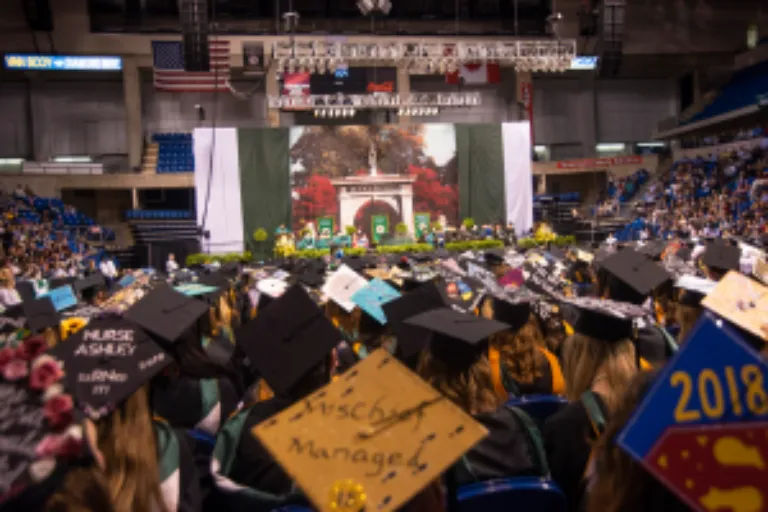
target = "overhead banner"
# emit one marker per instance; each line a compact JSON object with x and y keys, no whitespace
{"x":589,"y":163}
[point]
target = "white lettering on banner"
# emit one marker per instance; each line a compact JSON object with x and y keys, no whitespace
{"x":106,"y":349}
{"x":600,"y":162}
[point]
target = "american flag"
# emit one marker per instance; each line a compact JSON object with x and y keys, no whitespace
{"x":168,"y":66}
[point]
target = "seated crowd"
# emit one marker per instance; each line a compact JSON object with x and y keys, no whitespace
{"x":723,"y":195}
{"x":223,"y":387}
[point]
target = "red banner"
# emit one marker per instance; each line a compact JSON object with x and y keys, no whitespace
{"x":296,"y":85}
{"x":600,"y":162}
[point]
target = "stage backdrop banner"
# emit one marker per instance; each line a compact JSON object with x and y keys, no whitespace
{"x":360,"y":175}
{"x":219,"y":189}
{"x":518,"y":180}
{"x":480,"y":154}
{"x":249,"y":184}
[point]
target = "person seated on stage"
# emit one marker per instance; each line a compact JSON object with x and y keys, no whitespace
{"x":599,"y":362}
{"x":171,"y":265}
{"x":456,"y":364}
{"x":362,"y":240}
{"x":520,"y":362}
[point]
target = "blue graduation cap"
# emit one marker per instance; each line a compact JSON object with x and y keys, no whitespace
{"x":373,"y":296}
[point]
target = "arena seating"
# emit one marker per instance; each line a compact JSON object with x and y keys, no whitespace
{"x":149,"y":231}
{"x":174,"y":152}
{"x":741,"y":91}
{"x":64,"y":218}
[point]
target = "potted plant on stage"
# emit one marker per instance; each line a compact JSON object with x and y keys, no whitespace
{"x":350,"y":232}
{"x":260,"y":236}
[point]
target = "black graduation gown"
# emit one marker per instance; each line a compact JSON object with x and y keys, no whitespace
{"x":254,"y":467}
{"x":513,"y":448}
{"x":568,"y":435}
{"x":180,"y":401}
{"x":651,"y":345}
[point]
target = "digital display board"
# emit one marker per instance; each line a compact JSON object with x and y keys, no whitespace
{"x":584,"y":62}
{"x":62,"y":62}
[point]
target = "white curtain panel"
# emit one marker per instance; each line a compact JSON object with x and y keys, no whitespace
{"x":518,"y":181}
{"x":225,"y":209}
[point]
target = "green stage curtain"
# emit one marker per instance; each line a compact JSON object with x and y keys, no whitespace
{"x":264,"y":181}
{"x":480,"y":153}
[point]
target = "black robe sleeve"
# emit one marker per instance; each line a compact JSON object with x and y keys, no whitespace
{"x":568,"y":438}
{"x":190,"y":490}
{"x":254,"y":466}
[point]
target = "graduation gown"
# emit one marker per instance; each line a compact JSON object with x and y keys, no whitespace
{"x":652,"y":345}
{"x":567,"y":436}
{"x":550,"y":380}
{"x":513,"y":448}
{"x":245,"y":474}
{"x":190,"y":403}
{"x":179,"y":478}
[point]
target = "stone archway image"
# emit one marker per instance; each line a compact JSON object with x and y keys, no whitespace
{"x":366,"y":213}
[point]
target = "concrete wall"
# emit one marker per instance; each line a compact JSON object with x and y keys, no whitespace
{"x":649,"y":162}
{"x":52,"y":186}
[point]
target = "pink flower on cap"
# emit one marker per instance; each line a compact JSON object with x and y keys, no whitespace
{"x":15,"y":369}
{"x":31,"y":348}
{"x":45,"y":372}
{"x":6,"y":355}
{"x":58,"y":411}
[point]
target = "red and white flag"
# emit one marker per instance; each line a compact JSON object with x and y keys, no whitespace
{"x":475,"y":74}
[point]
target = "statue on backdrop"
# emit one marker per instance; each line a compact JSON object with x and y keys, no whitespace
{"x":372,"y":160}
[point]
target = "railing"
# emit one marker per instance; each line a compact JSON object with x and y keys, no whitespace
{"x":57,"y":168}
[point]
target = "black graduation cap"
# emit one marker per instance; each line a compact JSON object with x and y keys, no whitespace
{"x":494,"y":257}
{"x":93,"y":281}
{"x":462,"y":293}
{"x":598,"y":319}
{"x":166,"y":313}
{"x":654,"y":249}
{"x":26,"y":290}
{"x":456,"y":338}
{"x":56,"y":282}
{"x":215,"y":280}
{"x":287,"y":339}
{"x":722,"y":256}
{"x":513,"y":312}
{"x":423,"y":257}
{"x":108,"y":346}
{"x":411,"y":340}
{"x":40,"y":314}
{"x":230,"y":270}
{"x":684,"y":253}
{"x":636,"y":271}
{"x":356,"y":263}
{"x":311,"y":279}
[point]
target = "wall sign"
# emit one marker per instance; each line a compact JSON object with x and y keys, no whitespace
{"x":62,"y":62}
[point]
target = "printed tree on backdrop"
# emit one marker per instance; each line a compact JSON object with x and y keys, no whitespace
{"x":430,"y":195}
{"x":316,"y":198}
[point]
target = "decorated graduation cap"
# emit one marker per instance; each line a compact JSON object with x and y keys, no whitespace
{"x":700,"y":429}
{"x":341,"y":285}
{"x":460,"y":292}
{"x":373,"y":296}
{"x":377,"y":460}
{"x":494,"y":257}
{"x":694,"y":289}
{"x":106,"y":361}
{"x":602,"y":319}
{"x":166,"y":313}
{"x":636,"y":272}
{"x":41,"y":440}
{"x":410,"y":339}
{"x":456,"y":338}
{"x":722,"y":256}
{"x":743,"y":301}
{"x":89,"y":284}
{"x":288,"y":338}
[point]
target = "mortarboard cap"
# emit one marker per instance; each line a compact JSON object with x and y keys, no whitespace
{"x":110,"y":346}
{"x":288,"y":338}
{"x":57,"y":282}
{"x":26,"y":290}
{"x":341,"y":285}
{"x":722,"y":256}
{"x":494,"y":256}
{"x":373,"y":296}
{"x":601,"y":319}
{"x":166,"y":313}
{"x":410,"y":339}
{"x":40,"y":314}
{"x":423,"y":257}
{"x":511,"y":312}
{"x":456,"y":338}
{"x":95,"y":280}
{"x":636,"y":271}
{"x":462,"y":293}
{"x":356,"y":263}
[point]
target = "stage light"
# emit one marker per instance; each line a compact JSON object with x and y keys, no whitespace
{"x":317,"y":113}
{"x":323,"y":113}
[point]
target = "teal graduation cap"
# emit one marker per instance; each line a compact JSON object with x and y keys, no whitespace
{"x":194,"y":289}
{"x":373,"y":296}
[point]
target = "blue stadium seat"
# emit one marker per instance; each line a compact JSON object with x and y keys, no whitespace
{"x":539,"y":407}
{"x":523,"y":494}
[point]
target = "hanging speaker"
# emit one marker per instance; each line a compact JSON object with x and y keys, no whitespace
{"x":193,"y":15}
{"x":38,"y":15}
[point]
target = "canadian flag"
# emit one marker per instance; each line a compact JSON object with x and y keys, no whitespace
{"x":485,"y":73}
